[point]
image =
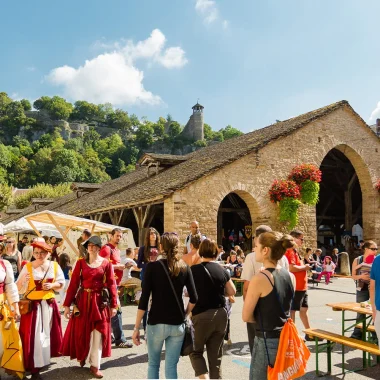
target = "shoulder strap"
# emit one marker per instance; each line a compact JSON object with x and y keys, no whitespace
{"x":360,"y":259}
{"x":207,"y":271}
{"x":172,"y":286}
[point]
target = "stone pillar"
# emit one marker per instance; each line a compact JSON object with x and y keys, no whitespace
{"x":345,"y":268}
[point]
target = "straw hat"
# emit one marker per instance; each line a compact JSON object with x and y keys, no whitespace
{"x":40,"y":243}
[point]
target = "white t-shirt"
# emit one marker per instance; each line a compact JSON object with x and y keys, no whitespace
{"x":250,"y":267}
{"x":127,"y":272}
{"x":329,"y":267}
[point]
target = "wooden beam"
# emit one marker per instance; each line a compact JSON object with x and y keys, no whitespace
{"x":34,"y":227}
{"x":64,"y":235}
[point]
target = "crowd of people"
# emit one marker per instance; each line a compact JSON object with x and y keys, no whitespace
{"x":171,"y":289}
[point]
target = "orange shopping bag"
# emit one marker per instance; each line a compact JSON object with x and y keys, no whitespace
{"x":292,"y":355}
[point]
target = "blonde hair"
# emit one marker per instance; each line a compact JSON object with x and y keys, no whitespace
{"x":277,"y":242}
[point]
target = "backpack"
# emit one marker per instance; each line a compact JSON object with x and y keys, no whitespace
{"x":292,"y":354}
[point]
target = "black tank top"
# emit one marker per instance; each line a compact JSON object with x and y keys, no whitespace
{"x":13,"y":261}
{"x":272,"y":315}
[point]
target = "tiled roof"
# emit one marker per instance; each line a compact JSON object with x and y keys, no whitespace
{"x":138,"y":188}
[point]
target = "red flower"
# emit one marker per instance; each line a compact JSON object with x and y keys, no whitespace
{"x":284,"y":189}
{"x":304,"y":172}
{"x":377,"y":186}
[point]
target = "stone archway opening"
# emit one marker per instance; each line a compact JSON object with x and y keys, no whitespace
{"x":339,"y":210}
{"x":234,"y":219}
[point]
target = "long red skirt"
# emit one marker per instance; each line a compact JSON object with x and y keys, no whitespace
{"x":76,"y":342}
{"x":27,"y":333}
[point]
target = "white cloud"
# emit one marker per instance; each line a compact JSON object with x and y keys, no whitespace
{"x":31,"y":68}
{"x":375,"y":114}
{"x":209,"y":11}
{"x":113,"y":76}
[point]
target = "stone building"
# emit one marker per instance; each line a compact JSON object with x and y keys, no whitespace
{"x":225,"y":186}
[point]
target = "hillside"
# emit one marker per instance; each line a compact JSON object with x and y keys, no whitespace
{"x":60,"y":142}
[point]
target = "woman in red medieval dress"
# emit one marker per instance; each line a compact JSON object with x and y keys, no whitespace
{"x":91,"y":328}
{"x":40,"y":328}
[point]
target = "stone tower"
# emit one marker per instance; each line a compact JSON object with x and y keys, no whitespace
{"x":194,"y":128}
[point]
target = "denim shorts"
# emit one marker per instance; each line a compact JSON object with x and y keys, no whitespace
{"x":259,"y":361}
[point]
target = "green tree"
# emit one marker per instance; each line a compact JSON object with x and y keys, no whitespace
{"x":42,"y":190}
{"x":43,"y":103}
{"x":229,"y":132}
{"x":5,"y":196}
{"x":119,"y":120}
{"x":26,"y":104}
{"x":91,"y":137}
{"x":85,"y":111}
{"x":4,"y":101}
{"x":59,"y":108}
{"x":144,"y":136}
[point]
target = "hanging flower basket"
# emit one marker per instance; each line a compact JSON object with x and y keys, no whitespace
{"x":304,"y":172}
{"x":307,"y":176}
{"x":286,"y":194}
{"x":377,"y":186}
{"x":284,"y":189}
{"x":289,"y":211}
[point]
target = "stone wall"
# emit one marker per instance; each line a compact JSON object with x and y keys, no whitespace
{"x":251,"y":177}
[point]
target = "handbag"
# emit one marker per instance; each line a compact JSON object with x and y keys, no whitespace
{"x":25,"y":304}
{"x":188,"y":340}
{"x":292,"y":354}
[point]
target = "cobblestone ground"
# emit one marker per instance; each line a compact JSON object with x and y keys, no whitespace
{"x":132,"y":363}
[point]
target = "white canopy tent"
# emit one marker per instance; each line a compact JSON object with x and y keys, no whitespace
{"x":22,"y":226}
{"x":65,"y":224}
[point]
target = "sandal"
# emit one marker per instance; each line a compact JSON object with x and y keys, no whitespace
{"x":125,"y":345}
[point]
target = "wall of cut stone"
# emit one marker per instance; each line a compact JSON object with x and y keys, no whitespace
{"x":251,"y":177}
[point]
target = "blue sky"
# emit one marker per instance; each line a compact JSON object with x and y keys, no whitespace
{"x":249,"y":62}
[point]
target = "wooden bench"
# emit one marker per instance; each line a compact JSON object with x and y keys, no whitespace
{"x":332,"y":339}
{"x":127,"y":287}
{"x":370,"y":328}
{"x":239,"y":285}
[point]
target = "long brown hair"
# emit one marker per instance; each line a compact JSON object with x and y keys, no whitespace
{"x":147,"y":242}
{"x":169,"y":243}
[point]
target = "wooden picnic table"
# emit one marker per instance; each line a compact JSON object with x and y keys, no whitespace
{"x":366,"y":322}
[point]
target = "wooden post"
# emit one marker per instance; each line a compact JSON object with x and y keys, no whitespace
{"x":64,"y":235}
{"x":141,"y":214}
{"x":34,"y":228}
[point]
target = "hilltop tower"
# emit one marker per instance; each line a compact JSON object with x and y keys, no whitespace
{"x":194,"y":128}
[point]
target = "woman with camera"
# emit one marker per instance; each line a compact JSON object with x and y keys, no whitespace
{"x":92,"y":290}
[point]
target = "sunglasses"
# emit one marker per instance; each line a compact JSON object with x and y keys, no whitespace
{"x":374,"y":249}
{"x":9,"y":242}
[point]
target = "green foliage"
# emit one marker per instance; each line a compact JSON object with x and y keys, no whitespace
{"x":57,"y":107}
{"x":230,"y":132}
{"x":309,"y":192}
{"x":41,"y":190}
{"x":26,"y":104}
{"x":289,"y":211}
{"x":88,"y":158}
{"x":5,"y":195}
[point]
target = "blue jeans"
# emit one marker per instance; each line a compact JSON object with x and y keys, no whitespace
{"x":259,"y":361}
{"x":173,"y":336}
{"x":117,"y":328}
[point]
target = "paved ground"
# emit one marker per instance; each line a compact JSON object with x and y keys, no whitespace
{"x":132,"y":363}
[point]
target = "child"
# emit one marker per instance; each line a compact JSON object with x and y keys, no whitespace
{"x":129,"y":265}
{"x":64,"y":263}
{"x":364,"y":268}
{"x":327,"y":269}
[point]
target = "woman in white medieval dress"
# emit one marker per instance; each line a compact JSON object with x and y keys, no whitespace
{"x":40,"y":328}
{"x":11,"y":359}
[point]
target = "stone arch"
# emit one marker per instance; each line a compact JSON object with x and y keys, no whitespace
{"x":250,"y":201}
{"x":370,"y":197}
